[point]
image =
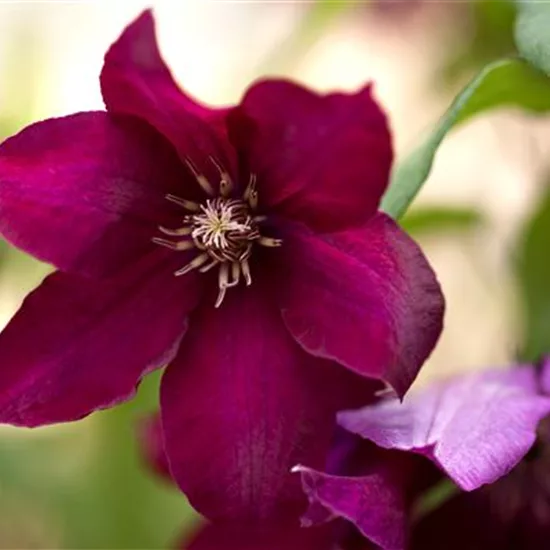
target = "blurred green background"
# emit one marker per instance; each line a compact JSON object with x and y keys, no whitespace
{"x":483,"y":216}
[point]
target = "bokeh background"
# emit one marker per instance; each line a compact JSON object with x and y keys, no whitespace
{"x":483,"y":217}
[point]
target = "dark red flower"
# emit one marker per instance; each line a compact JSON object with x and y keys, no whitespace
{"x":241,"y":246}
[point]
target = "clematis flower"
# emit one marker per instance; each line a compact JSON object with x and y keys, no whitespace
{"x":479,"y":430}
{"x":241,"y":246}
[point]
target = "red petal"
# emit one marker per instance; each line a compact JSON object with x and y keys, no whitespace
{"x":77,"y":345}
{"x":253,"y":537}
{"x":136,"y":81}
{"x":366,"y":298}
{"x":86,"y":192}
{"x":241,"y":404}
{"x":320,"y":159}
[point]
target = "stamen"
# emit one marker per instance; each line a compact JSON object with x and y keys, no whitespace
{"x":223,"y":276}
{"x":194,"y":264}
{"x":250,"y":187}
{"x":222,"y":228}
{"x":253,"y":199}
{"x":209,"y":266}
{"x":245,"y":268}
{"x":188,"y":205}
{"x":180,"y":232}
{"x":235,"y":273}
{"x":201,"y":178}
{"x":181,"y":245}
{"x":226,"y":184}
{"x":268,"y":241}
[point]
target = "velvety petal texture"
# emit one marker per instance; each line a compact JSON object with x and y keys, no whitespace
{"x":86,"y":192}
{"x":321,"y":159}
{"x":366,"y":298}
{"x":254,"y":537}
{"x":136,"y":81}
{"x":476,"y":428}
{"x":347,"y":304}
{"x":241,"y":404}
{"x":77,"y":345}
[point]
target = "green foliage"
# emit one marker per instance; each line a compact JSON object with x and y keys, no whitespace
{"x":532,"y":267}
{"x":533,"y":33}
{"x":436,"y":219}
{"x":492,"y":38}
{"x":90,"y":486}
{"x":510,"y":82}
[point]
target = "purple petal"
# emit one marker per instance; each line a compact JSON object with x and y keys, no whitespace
{"x":257,"y":537}
{"x":376,"y":502}
{"x":86,"y":192}
{"x":366,"y":298}
{"x":151,"y":445}
{"x":77,"y":345}
{"x":320,"y":159}
{"x":136,"y":81}
{"x":250,"y":404}
{"x":476,"y":427}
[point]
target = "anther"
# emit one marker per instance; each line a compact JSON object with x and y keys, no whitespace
{"x":245,"y":268}
{"x":223,"y":276}
{"x":194,"y":264}
{"x":188,"y":205}
{"x":249,"y":188}
{"x":235,"y":273}
{"x":181,"y":245}
{"x":180,"y":232}
{"x":209,"y":266}
{"x":253,"y":199}
{"x":269,"y":242}
{"x":226,"y":184}
{"x":201,"y":179}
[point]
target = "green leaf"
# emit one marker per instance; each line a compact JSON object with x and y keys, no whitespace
{"x":533,"y":32}
{"x":124,"y":505}
{"x":532,"y":266}
{"x":434,"y":219}
{"x":509,"y":82}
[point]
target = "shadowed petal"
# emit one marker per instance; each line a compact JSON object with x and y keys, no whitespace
{"x":241,"y":404}
{"x":464,"y":522}
{"x":86,"y":192}
{"x":136,"y":81}
{"x":320,"y":159}
{"x":151,"y":444}
{"x":366,"y":298}
{"x":76,"y":346}
{"x":254,"y":537}
{"x":476,"y":427}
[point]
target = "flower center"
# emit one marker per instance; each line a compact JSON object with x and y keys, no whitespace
{"x":223,"y":230}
